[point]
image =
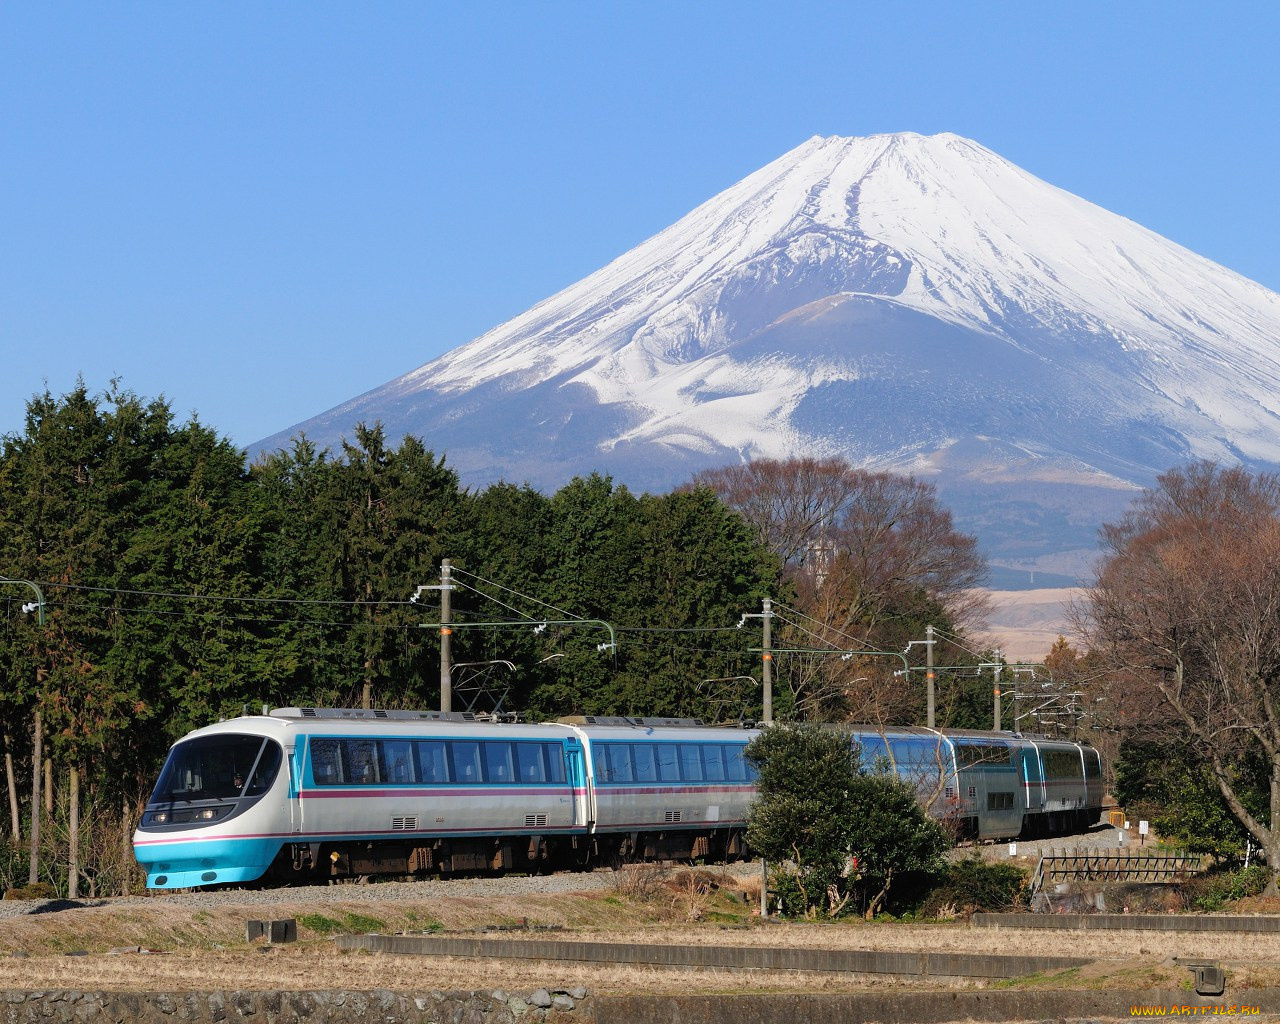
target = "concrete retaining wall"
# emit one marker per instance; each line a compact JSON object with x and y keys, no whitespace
{"x":1131,"y":922}
{"x":937,"y":966}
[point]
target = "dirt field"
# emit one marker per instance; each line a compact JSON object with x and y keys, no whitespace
{"x":205,"y":947}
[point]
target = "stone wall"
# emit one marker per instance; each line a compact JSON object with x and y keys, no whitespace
{"x":274,"y":1007}
{"x":383,"y":1007}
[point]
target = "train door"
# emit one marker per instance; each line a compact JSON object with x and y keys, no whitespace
{"x":296,"y":758}
{"x":576,"y":770}
{"x":1032,"y":780}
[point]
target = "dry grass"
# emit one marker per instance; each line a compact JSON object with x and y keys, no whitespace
{"x":206,"y":948}
{"x":321,"y":966}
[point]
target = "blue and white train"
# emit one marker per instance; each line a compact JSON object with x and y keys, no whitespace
{"x":993,"y":785}
{"x":310,"y":794}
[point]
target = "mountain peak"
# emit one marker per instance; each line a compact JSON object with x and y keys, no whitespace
{"x":904,"y":300}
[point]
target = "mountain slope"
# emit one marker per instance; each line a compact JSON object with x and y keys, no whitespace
{"x":910,"y":302}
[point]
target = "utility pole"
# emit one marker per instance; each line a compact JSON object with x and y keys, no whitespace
{"x":767,"y":615}
{"x":33,"y":863}
{"x":997,"y":690}
{"x":928,"y":674}
{"x":767,"y":652}
{"x":446,"y":635}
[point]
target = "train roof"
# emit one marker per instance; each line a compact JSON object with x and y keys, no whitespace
{"x":400,"y":723}
{"x":357,"y":721}
{"x":405,"y":722}
{"x":960,"y":735}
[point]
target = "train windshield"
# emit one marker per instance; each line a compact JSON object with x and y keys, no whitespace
{"x":218,"y":768}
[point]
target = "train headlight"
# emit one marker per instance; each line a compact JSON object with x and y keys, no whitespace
{"x":207,"y":814}
{"x":160,"y":817}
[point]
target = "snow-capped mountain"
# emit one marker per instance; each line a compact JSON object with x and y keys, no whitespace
{"x":909,"y":302}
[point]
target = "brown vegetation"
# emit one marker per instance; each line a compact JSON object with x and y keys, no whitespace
{"x":205,"y":948}
{"x":1186,"y":609}
{"x":865,"y":553}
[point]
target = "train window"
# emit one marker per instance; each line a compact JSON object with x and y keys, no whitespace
{"x":326,"y":762}
{"x":531,"y":762}
{"x":466,"y":761}
{"x":735,"y":764}
{"x":915,"y":752}
{"x":999,"y":801}
{"x":360,"y":758}
{"x":645,"y":765}
{"x":433,"y":761}
{"x":690,"y":763}
{"x":873,"y":751}
{"x":1062,"y":763}
{"x":995,"y":755}
{"x":497,"y":761}
{"x":600,"y":756}
{"x":668,"y":762}
{"x":620,"y":762}
{"x":713,"y":762}
{"x":265,"y":772}
{"x":212,"y":767}
{"x":397,"y":759}
{"x":555,"y":762}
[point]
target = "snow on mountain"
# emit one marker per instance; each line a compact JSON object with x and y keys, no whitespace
{"x":910,"y":302}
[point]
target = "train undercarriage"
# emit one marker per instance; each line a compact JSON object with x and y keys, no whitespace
{"x":495,"y":855}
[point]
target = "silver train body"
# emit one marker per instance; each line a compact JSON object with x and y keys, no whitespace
{"x":307,"y":794}
{"x":993,"y":785}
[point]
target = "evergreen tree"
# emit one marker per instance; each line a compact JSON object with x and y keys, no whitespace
{"x":346,"y":543}
{"x":839,"y":834}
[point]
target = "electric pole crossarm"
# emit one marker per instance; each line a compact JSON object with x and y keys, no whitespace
{"x":37,"y":605}
{"x":770,"y":651}
{"x":535,"y":623}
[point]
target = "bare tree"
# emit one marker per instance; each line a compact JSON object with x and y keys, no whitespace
{"x":864,"y":539}
{"x":865,"y":553}
{"x":1186,"y":606}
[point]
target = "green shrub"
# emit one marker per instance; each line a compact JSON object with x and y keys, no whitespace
{"x":34,"y":891}
{"x":971,"y":884}
{"x":320,"y":924}
{"x":362,"y":924}
{"x":1212,"y":891}
{"x":848,"y":834}
{"x":787,"y":895}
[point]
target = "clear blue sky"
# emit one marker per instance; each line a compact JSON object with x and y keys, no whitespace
{"x":262,"y":209}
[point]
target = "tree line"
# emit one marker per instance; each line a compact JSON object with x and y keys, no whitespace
{"x":182,"y":586}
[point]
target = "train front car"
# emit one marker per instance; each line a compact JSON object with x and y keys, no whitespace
{"x":667,"y":789}
{"x":219,"y":813}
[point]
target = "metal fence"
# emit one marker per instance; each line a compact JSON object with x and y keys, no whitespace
{"x":1115,"y":866}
